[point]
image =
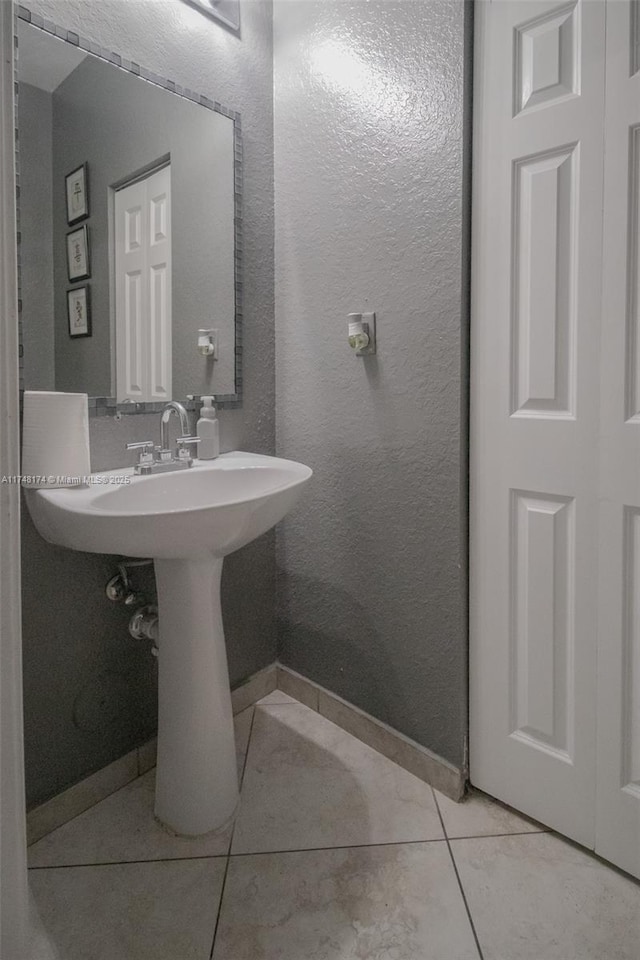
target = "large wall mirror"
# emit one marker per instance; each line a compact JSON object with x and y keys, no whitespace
{"x":129,"y":230}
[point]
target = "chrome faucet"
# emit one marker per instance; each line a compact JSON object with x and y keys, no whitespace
{"x":160,"y":459}
{"x":172,"y":407}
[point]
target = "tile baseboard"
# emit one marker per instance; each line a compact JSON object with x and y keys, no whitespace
{"x":404,"y":751}
{"x":254,"y":688}
{"x":96,"y":787}
{"x":424,"y":764}
{"x":81,"y":796}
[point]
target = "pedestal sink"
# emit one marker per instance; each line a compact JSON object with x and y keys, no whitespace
{"x":188,"y":521}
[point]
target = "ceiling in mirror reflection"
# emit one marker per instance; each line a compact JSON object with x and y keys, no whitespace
{"x":74,"y":109}
{"x":45,"y":63}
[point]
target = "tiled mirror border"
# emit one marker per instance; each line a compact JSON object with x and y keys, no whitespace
{"x":108,"y":406}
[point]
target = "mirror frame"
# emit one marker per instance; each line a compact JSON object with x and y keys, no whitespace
{"x":108,"y":406}
{"x":226,"y":12}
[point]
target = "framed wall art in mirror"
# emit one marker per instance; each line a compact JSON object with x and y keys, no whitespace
{"x":134,"y":182}
{"x":77,"y":187}
{"x":78,"y":262}
{"x":79,"y":312}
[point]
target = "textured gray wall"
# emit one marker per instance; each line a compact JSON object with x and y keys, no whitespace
{"x":36,"y":226}
{"x":120,"y":124}
{"x":72,"y":639}
{"x":370,"y":166}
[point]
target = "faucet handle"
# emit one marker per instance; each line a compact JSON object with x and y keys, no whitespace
{"x":183,"y":444}
{"x":143,"y":466}
{"x":141,"y":445}
{"x":146,"y":450}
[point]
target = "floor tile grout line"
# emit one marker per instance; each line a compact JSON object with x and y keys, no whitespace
{"x":124,"y":863}
{"x":219,"y":911}
{"x":264,"y":853}
{"x":249,"y":853}
{"x":241,"y":783}
{"x":397,"y":843}
{"x":246,"y":755}
{"x":342,"y":846}
{"x":465,"y":901}
{"x":233,"y":830}
{"x":455,"y":870}
{"x":222,"y":856}
{"x":282,"y":703}
{"x":494,"y":836}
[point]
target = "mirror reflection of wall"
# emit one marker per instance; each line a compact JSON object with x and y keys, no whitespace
{"x":77,"y":112}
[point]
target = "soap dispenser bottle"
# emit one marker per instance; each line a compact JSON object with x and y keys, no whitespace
{"x":208,"y":430}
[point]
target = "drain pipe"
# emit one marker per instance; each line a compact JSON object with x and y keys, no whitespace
{"x":118,"y":589}
{"x":144,"y":625}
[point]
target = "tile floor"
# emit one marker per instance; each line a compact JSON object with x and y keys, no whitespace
{"x":336,"y":854}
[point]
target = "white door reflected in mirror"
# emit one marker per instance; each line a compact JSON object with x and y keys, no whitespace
{"x":143,"y":288}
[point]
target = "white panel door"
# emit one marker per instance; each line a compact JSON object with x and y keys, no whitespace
{"x":618,"y":764}
{"x":159,"y":211}
{"x":143,"y":288}
{"x":537,"y":234}
{"x":130,"y":268}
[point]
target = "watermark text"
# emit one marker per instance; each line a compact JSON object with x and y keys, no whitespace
{"x":35,"y":480}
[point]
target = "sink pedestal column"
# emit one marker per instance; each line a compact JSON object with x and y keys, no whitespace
{"x":196,"y":777}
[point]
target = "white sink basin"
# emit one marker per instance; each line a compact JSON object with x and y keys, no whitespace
{"x":213,"y":508}
{"x":187,"y":520}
